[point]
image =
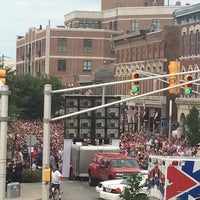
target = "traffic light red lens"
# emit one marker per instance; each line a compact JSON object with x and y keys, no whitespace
{"x":189,"y":78}
{"x":136,"y":75}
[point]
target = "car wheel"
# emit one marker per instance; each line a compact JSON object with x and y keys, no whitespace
{"x":92,"y":181}
{"x":141,"y":196}
{"x":110,"y":177}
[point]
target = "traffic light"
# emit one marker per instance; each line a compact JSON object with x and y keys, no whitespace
{"x":134,"y":84}
{"x":174,"y":67}
{"x":3,"y":76}
{"x":188,"y":87}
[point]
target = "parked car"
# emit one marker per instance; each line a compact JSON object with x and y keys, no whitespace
{"x":113,"y":189}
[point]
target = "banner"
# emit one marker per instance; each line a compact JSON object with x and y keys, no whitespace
{"x":66,"y":157}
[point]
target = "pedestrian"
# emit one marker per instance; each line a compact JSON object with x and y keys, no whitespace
{"x":18,"y":171}
{"x":56,"y":180}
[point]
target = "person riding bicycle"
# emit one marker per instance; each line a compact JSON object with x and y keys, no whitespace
{"x":56,"y":179}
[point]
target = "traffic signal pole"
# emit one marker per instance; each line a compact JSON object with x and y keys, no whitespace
{"x":46,"y":139}
{"x":3,"y":138}
{"x":170,"y":119}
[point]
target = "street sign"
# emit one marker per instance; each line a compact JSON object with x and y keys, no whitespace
{"x":175,"y":124}
{"x":31,"y":140}
{"x":164,"y":123}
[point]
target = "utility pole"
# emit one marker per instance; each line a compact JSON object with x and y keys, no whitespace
{"x":3,"y":138}
{"x":46,"y":139}
{"x":170,"y":119}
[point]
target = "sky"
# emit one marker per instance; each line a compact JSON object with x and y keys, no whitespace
{"x":18,"y":16}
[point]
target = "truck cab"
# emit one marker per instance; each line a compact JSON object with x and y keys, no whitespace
{"x":107,"y":166}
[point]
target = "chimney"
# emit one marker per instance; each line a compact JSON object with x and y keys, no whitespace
{"x":155,"y":3}
{"x":178,"y":3}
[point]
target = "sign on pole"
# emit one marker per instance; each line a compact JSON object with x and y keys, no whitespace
{"x":164,"y":123}
{"x":175,"y":124}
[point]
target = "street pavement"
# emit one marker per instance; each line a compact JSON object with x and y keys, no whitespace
{"x":29,"y":191}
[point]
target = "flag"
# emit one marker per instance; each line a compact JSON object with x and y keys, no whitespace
{"x":143,"y":114}
{"x":88,"y":92}
{"x":156,"y":115}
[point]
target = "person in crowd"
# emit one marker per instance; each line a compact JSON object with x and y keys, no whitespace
{"x":25,"y":152}
{"x":56,"y":179}
{"x":35,"y":153}
{"x":52,"y":161}
{"x":18,"y":168}
{"x":9,"y":172}
{"x":40,"y":154}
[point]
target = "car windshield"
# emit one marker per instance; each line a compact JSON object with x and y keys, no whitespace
{"x":124,"y":163}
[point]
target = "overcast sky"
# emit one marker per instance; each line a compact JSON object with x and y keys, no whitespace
{"x":18,"y":16}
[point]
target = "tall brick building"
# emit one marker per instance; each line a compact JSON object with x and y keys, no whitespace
{"x":83,"y":44}
{"x":127,"y":34}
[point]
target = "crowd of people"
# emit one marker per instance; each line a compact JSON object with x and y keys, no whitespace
{"x":24,"y":156}
{"x":142,"y":144}
{"x":136,"y":144}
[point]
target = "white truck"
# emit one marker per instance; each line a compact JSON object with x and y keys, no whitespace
{"x":173,"y":178}
{"x":81,"y":157}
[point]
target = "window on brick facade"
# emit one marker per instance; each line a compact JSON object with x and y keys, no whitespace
{"x":110,"y":25}
{"x":191,"y":42}
{"x":87,"y":45}
{"x":197,"y":43}
{"x":112,"y":48}
{"x":62,"y":65}
{"x":90,"y":24}
{"x":62,"y":44}
{"x":156,"y":23}
{"x":87,"y":65}
{"x":38,"y":48}
{"x":134,"y":25}
{"x":115,"y":25}
{"x":184,"y":44}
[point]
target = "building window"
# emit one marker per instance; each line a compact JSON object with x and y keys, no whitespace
{"x":134,"y":25}
{"x":87,"y":45}
{"x":115,"y":25}
{"x":61,"y":65}
{"x":156,"y":23}
{"x":197,"y":43}
{"x":110,"y":25}
{"x":184,"y":44}
{"x":87,"y":65}
{"x":38,"y":48}
{"x":191,"y":42}
{"x":112,"y":48}
{"x":62,"y":44}
{"x":90,"y":24}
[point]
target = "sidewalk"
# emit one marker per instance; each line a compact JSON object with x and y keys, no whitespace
{"x":29,"y":191}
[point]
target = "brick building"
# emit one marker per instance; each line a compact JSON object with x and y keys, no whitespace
{"x":131,"y":35}
{"x":149,"y":54}
{"x":82,"y":45}
{"x":188,"y":19}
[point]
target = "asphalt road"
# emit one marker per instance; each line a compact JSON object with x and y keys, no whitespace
{"x":71,"y":190}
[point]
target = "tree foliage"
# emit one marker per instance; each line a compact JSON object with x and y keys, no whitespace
{"x":132,"y":191}
{"x":193,"y":126}
{"x":26,"y":100}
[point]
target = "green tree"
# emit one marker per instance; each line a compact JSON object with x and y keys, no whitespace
{"x":193,"y":126}
{"x":27,"y":95}
{"x":134,"y":186}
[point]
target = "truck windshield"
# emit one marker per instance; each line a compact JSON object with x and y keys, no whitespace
{"x":124,"y":163}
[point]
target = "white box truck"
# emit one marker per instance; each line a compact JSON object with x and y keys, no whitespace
{"x":174,"y":178}
{"x":81,"y":157}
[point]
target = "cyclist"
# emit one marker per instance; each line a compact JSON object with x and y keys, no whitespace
{"x":55,"y":180}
